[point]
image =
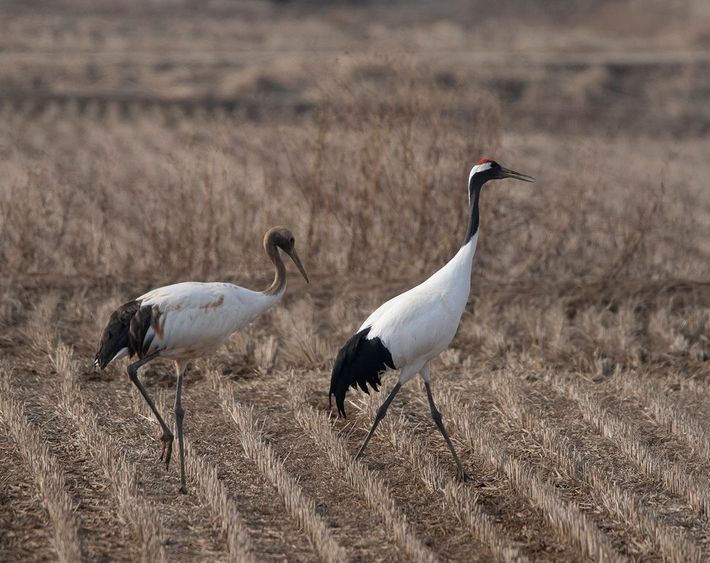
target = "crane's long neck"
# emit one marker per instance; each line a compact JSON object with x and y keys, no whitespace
{"x":279,"y":284}
{"x":474,"y":194}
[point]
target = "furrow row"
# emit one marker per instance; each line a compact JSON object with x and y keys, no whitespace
{"x":299,"y":506}
{"x":212,"y":490}
{"x":375,"y":493}
{"x":46,"y":472}
{"x":694,"y":488}
{"x":625,"y":505}
{"x":667,"y":414}
{"x":458,"y":498}
{"x":569,"y":522}
{"x":217,"y":496}
{"x":107,"y":453}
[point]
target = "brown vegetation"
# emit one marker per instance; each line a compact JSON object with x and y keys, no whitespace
{"x":139,"y":148}
{"x":46,"y":472}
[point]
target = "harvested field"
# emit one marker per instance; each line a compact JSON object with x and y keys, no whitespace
{"x":145,"y":145}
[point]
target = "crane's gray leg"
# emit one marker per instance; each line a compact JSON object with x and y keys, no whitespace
{"x":381,"y":412}
{"x":436,"y":415}
{"x":167,"y":437}
{"x":179,"y":417}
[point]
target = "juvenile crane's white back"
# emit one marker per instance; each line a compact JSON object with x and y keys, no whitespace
{"x":195,"y":318}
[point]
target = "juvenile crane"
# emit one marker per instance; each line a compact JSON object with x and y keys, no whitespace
{"x":189,"y":320}
{"x":411,"y":329}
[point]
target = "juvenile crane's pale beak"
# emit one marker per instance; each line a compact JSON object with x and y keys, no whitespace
{"x":296,"y":260}
{"x":505,"y":173}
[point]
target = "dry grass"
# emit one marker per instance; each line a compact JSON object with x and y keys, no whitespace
{"x":143,"y":148}
{"x":567,"y":519}
{"x":238,"y":543}
{"x":606,"y":492}
{"x":143,"y":519}
{"x":668,"y":415}
{"x":47,"y":472}
{"x":692,"y":486}
{"x":211,"y":489}
{"x":301,"y":508}
{"x":373,"y":490}
{"x":338,"y":225}
{"x":435,"y":476}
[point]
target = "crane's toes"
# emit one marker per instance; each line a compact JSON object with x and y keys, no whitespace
{"x":183,"y":489}
{"x":463,"y":476}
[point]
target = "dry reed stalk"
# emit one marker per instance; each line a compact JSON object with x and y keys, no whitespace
{"x":695,"y":488}
{"x":299,"y":506}
{"x":135,"y":510}
{"x":682,"y":424}
{"x":698,"y":388}
{"x":625,"y":505}
{"x":300,"y":345}
{"x":458,"y":498}
{"x":376,"y":494}
{"x":569,"y":522}
{"x":209,"y":487}
{"x":39,"y":332}
{"x":46,"y":472}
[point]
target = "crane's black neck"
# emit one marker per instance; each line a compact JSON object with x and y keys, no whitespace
{"x":474,"y":193}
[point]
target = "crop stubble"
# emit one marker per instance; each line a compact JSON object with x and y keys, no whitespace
{"x":576,"y":388}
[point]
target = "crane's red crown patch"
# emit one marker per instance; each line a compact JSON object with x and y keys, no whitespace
{"x":484,"y":161}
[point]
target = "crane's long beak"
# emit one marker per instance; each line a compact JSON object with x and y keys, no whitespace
{"x":516,"y":175}
{"x":296,"y":260}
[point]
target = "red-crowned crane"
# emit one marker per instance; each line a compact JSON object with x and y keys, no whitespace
{"x":411,"y":329}
{"x":189,"y":320}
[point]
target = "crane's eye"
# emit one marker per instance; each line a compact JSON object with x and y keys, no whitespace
{"x":292,"y":241}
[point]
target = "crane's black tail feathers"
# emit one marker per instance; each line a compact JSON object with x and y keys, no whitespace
{"x":359,"y":362}
{"x":126,"y":328}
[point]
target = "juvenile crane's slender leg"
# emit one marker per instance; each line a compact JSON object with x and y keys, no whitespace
{"x":167,"y":437}
{"x":436,"y":415}
{"x":179,"y":417}
{"x":381,"y":412}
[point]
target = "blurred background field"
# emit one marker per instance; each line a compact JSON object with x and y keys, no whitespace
{"x":163,"y":125}
{"x":143,"y":143}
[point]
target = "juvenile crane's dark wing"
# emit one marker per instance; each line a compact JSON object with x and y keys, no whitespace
{"x":360,"y":362}
{"x":127,"y":328}
{"x":115,"y":337}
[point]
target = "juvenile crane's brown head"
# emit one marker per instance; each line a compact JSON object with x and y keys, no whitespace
{"x":281,"y":237}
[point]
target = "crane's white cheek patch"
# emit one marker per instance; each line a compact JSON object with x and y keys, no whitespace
{"x":478,"y":168}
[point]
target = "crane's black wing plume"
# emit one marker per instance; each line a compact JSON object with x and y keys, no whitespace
{"x":126,"y":328}
{"x":359,"y":362}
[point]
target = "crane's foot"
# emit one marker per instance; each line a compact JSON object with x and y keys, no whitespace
{"x":183,"y":489}
{"x":462,"y":476}
{"x":167,"y":453}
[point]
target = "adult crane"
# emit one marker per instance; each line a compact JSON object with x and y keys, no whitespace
{"x":411,"y":329}
{"x":189,"y":320}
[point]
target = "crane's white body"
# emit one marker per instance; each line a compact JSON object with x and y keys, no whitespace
{"x":408,"y":331}
{"x":194,"y":319}
{"x":419,"y":324}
